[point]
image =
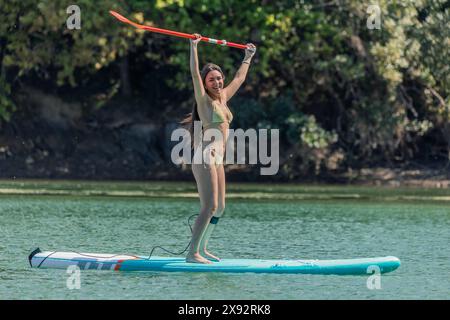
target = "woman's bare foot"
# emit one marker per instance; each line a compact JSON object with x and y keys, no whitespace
{"x":210,"y":256}
{"x":197,"y":258}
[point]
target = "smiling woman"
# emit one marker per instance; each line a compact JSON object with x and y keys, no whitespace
{"x":211,"y":109}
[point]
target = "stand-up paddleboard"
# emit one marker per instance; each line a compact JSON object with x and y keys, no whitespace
{"x":94,"y":261}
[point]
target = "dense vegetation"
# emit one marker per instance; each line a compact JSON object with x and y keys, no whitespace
{"x":342,"y":94}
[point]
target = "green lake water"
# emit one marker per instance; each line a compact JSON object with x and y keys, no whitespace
{"x":261,"y":221}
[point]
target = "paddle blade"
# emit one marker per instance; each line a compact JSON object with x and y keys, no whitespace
{"x":119,"y":17}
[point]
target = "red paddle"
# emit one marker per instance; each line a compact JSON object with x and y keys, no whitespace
{"x":175,"y":33}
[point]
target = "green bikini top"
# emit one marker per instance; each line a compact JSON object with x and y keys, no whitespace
{"x":220,"y":113}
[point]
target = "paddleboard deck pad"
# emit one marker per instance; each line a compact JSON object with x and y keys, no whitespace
{"x":97,"y":261}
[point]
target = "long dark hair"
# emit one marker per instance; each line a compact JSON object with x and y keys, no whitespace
{"x":188,"y":122}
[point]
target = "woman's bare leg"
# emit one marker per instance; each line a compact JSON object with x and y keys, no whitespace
{"x":206,"y":178}
{"x":218,"y":213}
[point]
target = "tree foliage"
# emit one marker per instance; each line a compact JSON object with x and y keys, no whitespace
{"x":320,"y":74}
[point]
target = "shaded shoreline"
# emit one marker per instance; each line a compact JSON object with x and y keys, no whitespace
{"x":380,"y":177}
{"x":237,"y":191}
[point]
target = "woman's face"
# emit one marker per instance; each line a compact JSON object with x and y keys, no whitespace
{"x":214,"y":83}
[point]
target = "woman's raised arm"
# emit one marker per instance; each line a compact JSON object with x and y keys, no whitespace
{"x":199,"y":90}
{"x":241,"y":74}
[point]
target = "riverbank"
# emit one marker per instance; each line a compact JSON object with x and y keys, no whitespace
{"x":381,"y":177}
{"x":54,"y":139}
{"x":242,"y":191}
{"x":424,"y":178}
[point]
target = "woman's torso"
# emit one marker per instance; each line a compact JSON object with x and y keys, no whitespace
{"x":215,"y":114}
